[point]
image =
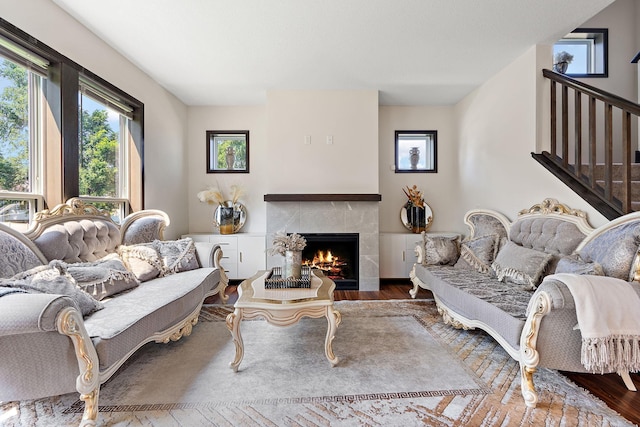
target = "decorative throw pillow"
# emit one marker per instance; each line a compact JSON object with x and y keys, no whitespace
{"x":176,"y":255}
{"x":51,"y":280}
{"x":101,"y":279}
{"x":142,"y":260}
{"x":478,"y":253}
{"x":520,"y":265}
{"x":615,"y":250}
{"x":440,"y":250}
{"x":576,"y":265}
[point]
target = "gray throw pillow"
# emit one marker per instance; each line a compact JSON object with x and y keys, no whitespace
{"x":520,"y":265}
{"x":576,"y":265}
{"x":478,"y":253}
{"x":51,"y":280}
{"x":177,"y":255}
{"x":615,"y":250}
{"x":101,"y":279}
{"x":440,"y":250}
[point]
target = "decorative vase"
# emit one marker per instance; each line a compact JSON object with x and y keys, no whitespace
{"x":230,"y":157}
{"x":292,"y":265}
{"x":226,"y":221}
{"x":561,"y":67}
{"x":418,"y":219}
{"x":414,"y":157}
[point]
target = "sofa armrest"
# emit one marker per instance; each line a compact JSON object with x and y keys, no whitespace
{"x":22,"y":313}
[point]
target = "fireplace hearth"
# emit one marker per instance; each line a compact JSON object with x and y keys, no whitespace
{"x":336,"y":254}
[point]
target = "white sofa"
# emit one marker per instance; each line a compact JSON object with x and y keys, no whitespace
{"x":47,"y":346}
{"x":536,"y":329}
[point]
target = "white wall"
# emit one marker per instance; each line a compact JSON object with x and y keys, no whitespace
{"x":165,"y":116}
{"x":498,"y":127}
{"x":440,"y":189}
{"x":251,"y":118}
{"x":349,"y":165}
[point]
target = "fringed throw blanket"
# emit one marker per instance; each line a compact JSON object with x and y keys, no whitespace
{"x":609,"y":321}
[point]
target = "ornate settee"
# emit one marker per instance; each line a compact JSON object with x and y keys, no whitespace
{"x":135,"y":288}
{"x":503,"y":278}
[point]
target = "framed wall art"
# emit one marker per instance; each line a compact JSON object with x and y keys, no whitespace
{"x":228,"y":151}
{"x":416,"y":151}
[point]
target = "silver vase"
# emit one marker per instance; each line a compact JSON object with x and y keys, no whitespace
{"x":292,"y":266}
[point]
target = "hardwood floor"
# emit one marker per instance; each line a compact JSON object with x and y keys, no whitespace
{"x":609,"y":388}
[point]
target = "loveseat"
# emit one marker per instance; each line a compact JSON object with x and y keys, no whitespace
{"x":511,"y":280}
{"x":80,"y":294}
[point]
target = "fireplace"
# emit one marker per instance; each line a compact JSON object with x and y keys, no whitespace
{"x":330,"y":213}
{"x":336,"y":254}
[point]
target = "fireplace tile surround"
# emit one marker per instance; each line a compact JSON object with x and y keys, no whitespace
{"x":360,"y":217}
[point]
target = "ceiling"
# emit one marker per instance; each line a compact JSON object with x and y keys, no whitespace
{"x":414,"y":52}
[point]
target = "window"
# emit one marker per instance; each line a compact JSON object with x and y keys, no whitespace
{"x":64,"y":132}
{"x":103,"y":148}
{"x":416,"y":151}
{"x":588,"y":47}
{"x":22,"y":83}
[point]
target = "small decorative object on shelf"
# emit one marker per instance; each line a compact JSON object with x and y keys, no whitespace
{"x":230,"y":215}
{"x":276,"y":280}
{"x":416,"y":215}
{"x":290,"y":246}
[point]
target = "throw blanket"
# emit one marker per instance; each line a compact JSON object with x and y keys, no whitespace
{"x":609,"y":320}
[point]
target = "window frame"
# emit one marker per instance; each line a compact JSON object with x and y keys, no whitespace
{"x":431,"y":149}
{"x":599,"y":37}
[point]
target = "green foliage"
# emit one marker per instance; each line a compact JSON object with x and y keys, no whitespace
{"x":14,"y":128}
{"x":98,"y":155}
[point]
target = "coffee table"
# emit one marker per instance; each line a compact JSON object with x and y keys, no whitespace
{"x":284,"y":307}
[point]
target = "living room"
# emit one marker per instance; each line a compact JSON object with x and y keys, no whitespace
{"x":486,"y":133}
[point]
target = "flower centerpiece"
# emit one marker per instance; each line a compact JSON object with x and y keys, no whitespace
{"x":415,"y":209}
{"x":290,"y":246}
{"x":224,"y":214}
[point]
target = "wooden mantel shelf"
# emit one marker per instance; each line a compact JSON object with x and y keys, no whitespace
{"x":322,"y":197}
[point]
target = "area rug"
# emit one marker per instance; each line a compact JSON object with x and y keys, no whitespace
{"x":399,"y":366}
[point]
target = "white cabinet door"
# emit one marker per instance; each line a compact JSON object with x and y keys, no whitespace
{"x":392,"y":255}
{"x":251,"y":255}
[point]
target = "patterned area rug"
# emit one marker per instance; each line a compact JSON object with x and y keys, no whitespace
{"x":399,"y":366}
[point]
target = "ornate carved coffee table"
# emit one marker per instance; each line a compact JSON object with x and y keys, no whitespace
{"x":284,"y":307}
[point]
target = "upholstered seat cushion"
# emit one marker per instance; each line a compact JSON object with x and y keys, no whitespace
{"x":481,"y":297}
{"x":132,"y":317}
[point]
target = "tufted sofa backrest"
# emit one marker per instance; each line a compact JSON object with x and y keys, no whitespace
{"x":80,"y":240}
{"x":547,"y":234}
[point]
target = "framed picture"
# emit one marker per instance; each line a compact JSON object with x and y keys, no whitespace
{"x":228,"y":151}
{"x":416,"y":151}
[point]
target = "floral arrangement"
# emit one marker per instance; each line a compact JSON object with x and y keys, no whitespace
{"x":213,"y":195}
{"x":415,"y":196}
{"x":564,"y":57}
{"x":283,"y":242}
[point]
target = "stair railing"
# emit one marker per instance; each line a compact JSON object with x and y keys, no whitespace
{"x":568,"y":125}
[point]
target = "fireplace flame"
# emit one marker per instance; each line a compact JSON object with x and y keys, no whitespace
{"x":327,"y":262}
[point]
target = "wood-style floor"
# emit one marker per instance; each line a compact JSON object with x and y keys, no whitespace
{"x":609,"y":388}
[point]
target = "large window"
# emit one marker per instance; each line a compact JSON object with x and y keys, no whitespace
{"x":64,"y":132}
{"x":22,"y":86}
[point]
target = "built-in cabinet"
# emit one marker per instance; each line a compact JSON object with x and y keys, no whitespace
{"x":243,"y":253}
{"x":397,"y":253}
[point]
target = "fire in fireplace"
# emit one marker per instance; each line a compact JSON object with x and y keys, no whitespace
{"x":336,"y":254}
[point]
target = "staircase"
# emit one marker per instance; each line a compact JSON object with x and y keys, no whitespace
{"x":591,"y":145}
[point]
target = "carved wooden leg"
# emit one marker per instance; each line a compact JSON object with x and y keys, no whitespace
{"x":70,"y":323}
{"x":333,"y":319}
{"x":529,"y":356}
{"x":233,"y":324}
{"x":90,"y":408}
{"x":416,"y":282}
{"x":627,"y":380}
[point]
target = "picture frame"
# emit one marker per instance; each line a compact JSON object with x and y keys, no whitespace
{"x":416,"y":151}
{"x":227,"y":151}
